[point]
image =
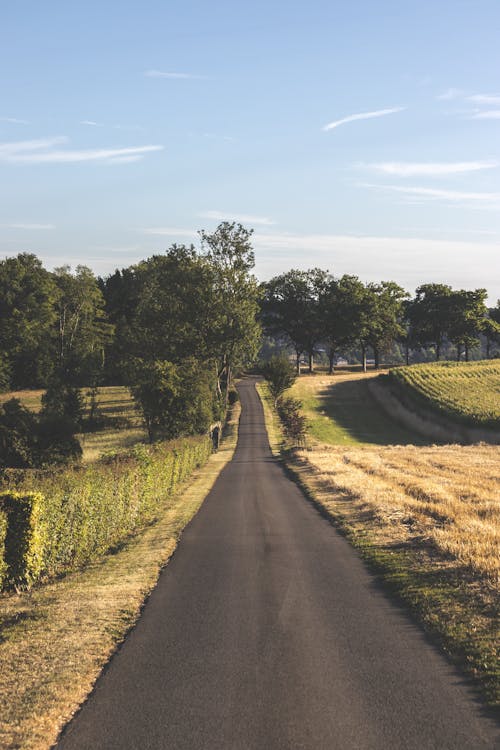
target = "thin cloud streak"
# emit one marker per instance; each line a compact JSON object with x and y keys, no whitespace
{"x":450,"y":94}
{"x":362,"y":116}
{"x":489,"y":114}
{"x":14,"y":121}
{"x":468,"y":199}
{"x":242,"y":218}
{"x":27,"y":226}
{"x":430,"y":169}
{"x":170,"y":232}
{"x":484,"y":98}
{"x":172,"y":76}
{"x":42,"y":152}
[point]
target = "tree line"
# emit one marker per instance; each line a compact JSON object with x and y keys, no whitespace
{"x":313,"y":310}
{"x":173,"y":327}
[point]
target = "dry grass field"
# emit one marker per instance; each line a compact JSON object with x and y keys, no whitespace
{"x":122,"y":423}
{"x":426,"y":516}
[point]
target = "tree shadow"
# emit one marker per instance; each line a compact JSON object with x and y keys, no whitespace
{"x":350,"y":404}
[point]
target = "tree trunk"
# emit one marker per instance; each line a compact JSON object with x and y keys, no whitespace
{"x":363,"y":349}
{"x":311,"y":361}
{"x":331,"y":357}
{"x":376,"y":357}
{"x":488,"y":348}
{"x":297,"y":359}
{"x":438,"y":352}
{"x":407,"y":352}
{"x":466,"y":352}
{"x":459,"y":352}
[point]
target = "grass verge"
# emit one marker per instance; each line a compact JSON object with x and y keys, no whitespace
{"x":395,"y":505}
{"x":55,"y":640}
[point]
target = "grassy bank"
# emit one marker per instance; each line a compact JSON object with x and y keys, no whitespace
{"x":427,"y":519}
{"x":467,"y":392}
{"x":56,"y":639}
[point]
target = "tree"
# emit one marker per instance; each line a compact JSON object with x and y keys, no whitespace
{"x":175,"y":399}
{"x":82,"y":326}
{"x":291,"y":309}
{"x":27,"y":320}
{"x":467,"y":315}
{"x":280,"y":376}
{"x":382,"y":311}
{"x":233,"y":332}
{"x":491,"y":328}
{"x":341,"y":314}
{"x":430,"y":315}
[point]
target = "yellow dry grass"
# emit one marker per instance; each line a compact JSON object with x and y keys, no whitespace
{"x":447,"y":496}
{"x":55,"y":639}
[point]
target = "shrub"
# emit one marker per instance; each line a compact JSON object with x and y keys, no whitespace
{"x":280,"y":375}
{"x":294,"y":423}
{"x":24,"y":537}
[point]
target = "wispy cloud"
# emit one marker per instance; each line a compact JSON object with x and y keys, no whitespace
{"x":430,"y":169}
{"x":172,"y":75}
{"x":242,"y":218}
{"x":484,"y":99}
{"x":171,"y":232}
{"x":450,"y":94}
{"x":362,"y":116}
{"x":488,"y":114}
{"x":43,"y":151}
{"x":14,"y":120}
{"x":91,"y":123}
{"x":27,"y":226}
{"x":409,"y":260}
{"x":466,"y":199}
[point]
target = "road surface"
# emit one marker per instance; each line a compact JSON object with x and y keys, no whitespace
{"x":266,"y":632}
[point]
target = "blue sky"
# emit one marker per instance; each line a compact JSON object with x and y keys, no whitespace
{"x":356,"y":136}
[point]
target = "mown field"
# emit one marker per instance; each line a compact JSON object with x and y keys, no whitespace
{"x":426,"y":516}
{"x":465,"y":391}
{"x":122,"y":425}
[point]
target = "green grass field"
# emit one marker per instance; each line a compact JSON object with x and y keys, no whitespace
{"x":465,"y":391}
{"x":122,"y":423}
{"x":341,"y":411}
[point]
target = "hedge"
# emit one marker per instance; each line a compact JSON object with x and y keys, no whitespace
{"x":72,"y":517}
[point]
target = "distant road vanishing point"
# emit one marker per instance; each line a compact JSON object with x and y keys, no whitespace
{"x":267,"y":632}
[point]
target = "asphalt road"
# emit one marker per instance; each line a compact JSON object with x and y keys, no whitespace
{"x":266,"y":631}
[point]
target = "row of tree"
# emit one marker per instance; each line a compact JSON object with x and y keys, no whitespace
{"x":309,"y":310}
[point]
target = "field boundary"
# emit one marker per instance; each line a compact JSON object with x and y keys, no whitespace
{"x":426,"y":421}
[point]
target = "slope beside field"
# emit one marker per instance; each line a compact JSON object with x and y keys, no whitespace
{"x":465,"y":391}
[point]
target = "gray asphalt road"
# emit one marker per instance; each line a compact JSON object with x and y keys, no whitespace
{"x":265,"y":631}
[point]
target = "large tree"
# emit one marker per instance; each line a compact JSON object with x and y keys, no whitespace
{"x":382,"y":318}
{"x":430,"y":315}
{"x":468,"y":313}
{"x":82,"y":327}
{"x":341,"y":314}
{"x":291,"y":309}
{"x":28,"y":295}
{"x":233,"y":330}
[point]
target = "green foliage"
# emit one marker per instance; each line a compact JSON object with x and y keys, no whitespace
{"x":28,"y":295}
{"x":77,"y":515}
{"x":63,"y":400}
{"x":175,"y":399}
{"x":293,"y":421}
{"x":465,"y":391}
{"x":280,"y":375}
{"x":30,"y":441}
{"x":25,"y":537}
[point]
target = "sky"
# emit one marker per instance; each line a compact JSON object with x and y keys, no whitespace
{"x":360,"y":137}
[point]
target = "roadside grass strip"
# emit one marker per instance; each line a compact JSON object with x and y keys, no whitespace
{"x":55,"y":639}
{"x":427,"y":520}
